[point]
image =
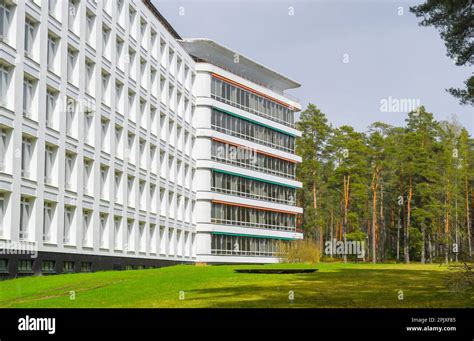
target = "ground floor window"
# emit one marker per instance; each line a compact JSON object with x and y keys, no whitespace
{"x":244,"y":246}
{"x":3,"y":265}
{"x":48,"y":266}
{"x":25,"y":266}
{"x":68,"y":266}
{"x":86,"y":267}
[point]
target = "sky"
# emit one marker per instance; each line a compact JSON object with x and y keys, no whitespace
{"x":356,"y":59}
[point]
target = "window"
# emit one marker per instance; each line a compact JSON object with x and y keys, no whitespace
{"x":68,"y":221}
{"x":52,"y":51}
{"x":49,"y":161}
{"x":51,"y":99}
{"x":105,"y":88}
{"x":120,"y":11}
{"x":4,"y":83}
{"x":3,"y":208}
{"x":103,"y":230}
{"x":26,"y":208}
{"x":118,"y":182}
{"x":131,"y":16}
{"x":251,"y":102}
{"x":5,"y":20}
{"x":103,"y":182}
{"x":118,"y":141}
{"x":3,"y":265}
{"x":130,"y":182}
{"x":48,"y":266}
{"x":48,"y":215}
{"x":142,"y":237}
{"x":141,"y":189}
{"x":27,"y":147}
{"x":25,"y":266}
{"x":88,"y":118}
{"x":130,"y":142}
{"x":68,"y":267}
{"x":105,"y":42}
{"x":119,"y":50}
{"x":70,"y":116}
{"x":52,"y":4}
{"x":30,"y":33}
{"x":89,"y":76}
{"x":71,"y":65}
{"x":87,"y":175}
{"x":86,"y":266}
{"x":4,"y":137}
{"x":104,"y":125}
{"x":90,"y":20}
{"x":117,"y":230}
{"x":142,"y":29}
{"x":129,"y":246}
{"x":72,"y":13}
{"x":69,"y":170}
{"x":86,"y":230}
{"x":28,"y":95}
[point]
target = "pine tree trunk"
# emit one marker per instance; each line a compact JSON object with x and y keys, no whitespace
{"x":346,"y":206}
{"x":399,"y":227}
{"x":374,"y":216}
{"x":407,"y":231}
{"x":383,"y":234}
{"x":423,"y":245}
{"x":468,"y":219}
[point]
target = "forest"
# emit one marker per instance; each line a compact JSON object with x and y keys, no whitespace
{"x":406,"y":192}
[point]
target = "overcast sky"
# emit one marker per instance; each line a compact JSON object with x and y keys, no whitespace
{"x":348,"y":55}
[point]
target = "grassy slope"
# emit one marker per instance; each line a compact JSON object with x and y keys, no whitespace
{"x":334,"y":285}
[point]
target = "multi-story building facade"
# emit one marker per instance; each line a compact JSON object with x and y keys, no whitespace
{"x":245,"y":150}
{"x":98,"y":144}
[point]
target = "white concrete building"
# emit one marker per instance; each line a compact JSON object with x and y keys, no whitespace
{"x":245,"y":180}
{"x":98,"y":127}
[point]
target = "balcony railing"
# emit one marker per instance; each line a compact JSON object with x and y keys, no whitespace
{"x":223,"y":252}
{"x":252,"y":166}
{"x":253,"y":196}
{"x":253,"y":225}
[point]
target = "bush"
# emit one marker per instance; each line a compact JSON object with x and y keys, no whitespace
{"x":300,"y":251}
{"x":460,"y":278}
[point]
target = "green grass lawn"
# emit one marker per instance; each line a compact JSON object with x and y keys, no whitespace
{"x":334,"y":285}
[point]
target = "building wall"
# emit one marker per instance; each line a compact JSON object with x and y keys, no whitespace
{"x":154,"y":70}
{"x":102,"y":116}
{"x":205,"y":164}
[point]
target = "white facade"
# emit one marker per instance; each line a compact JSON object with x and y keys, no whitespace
{"x":100,"y":106}
{"x":245,"y":202}
{"x":95,"y":118}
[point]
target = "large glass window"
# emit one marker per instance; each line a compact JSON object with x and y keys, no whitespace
{"x":239,"y":127}
{"x":252,"y":217}
{"x":244,"y":246}
{"x":248,"y":158}
{"x":249,"y":101}
{"x":245,"y":187}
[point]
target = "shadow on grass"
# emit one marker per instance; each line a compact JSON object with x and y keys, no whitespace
{"x":343,"y":288}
